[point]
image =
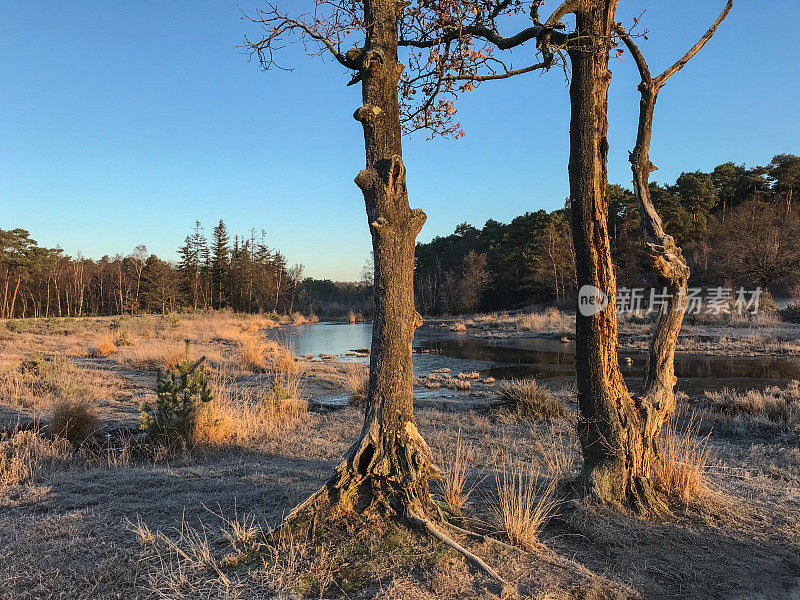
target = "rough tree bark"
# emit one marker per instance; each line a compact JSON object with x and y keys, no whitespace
{"x":388,"y":468}
{"x":609,"y":426}
{"x":390,"y":464}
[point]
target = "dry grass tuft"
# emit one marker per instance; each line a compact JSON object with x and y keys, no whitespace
{"x":454,"y":383}
{"x":458,"y":327}
{"x":530,"y":401}
{"x":469,"y":375}
{"x":455,"y":464}
{"x":299,"y":318}
{"x":349,"y":557}
{"x":552,"y":320}
{"x":356,"y":383}
{"x":558,"y":451}
{"x":152,"y":355}
{"x":524,"y":504}
{"x":75,"y":421}
{"x":265,"y":355}
{"x":240,"y":414}
{"x":774,"y":405}
{"x":684,"y":460}
{"x":105,"y":347}
{"x":39,"y":382}
{"x":251,"y":350}
{"x":26,"y":456}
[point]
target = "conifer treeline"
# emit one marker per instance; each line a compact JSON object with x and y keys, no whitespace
{"x":243,"y":274}
{"x":736,"y":225}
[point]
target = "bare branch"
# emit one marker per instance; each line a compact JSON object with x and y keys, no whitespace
{"x":279,"y":25}
{"x":661,"y":79}
{"x":638,"y":57}
{"x":503,"y":75}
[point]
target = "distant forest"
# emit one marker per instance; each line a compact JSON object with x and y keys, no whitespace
{"x":736,"y":225}
{"x":242,"y":274}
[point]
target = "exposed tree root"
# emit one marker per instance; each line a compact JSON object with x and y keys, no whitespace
{"x":508,"y":590}
{"x":473,"y":535}
{"x":309,"y":509}
{"x":647,"y":500}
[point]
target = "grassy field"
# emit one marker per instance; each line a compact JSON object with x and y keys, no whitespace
{"x":89,"y":508}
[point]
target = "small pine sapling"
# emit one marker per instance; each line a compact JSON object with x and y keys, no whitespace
{"x":179,"y":395}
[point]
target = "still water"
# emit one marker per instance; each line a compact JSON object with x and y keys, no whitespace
{"x":507,"y":358}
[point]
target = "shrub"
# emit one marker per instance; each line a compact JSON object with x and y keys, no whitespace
{"x":74,"y":421}
{"x":123,"y":340}
{"x":791,"y":313}
{"x":530,"y":401}
{"x":179,"y":394}
{"x":171,"y":322}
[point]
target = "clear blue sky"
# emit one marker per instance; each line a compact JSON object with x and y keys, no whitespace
{"x":123,"y":122}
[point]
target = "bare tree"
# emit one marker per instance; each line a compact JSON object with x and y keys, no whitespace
{"x":618,"y":431}
{"x":138,"y":257}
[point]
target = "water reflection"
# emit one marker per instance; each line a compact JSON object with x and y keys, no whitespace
{"x":506,"y":358}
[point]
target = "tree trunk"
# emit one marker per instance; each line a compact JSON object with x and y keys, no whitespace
{"x":618,"y":452}
{"x":656,"y":402}
{"x":390,"y":464}
{"x":14,"y":296}
{"x":5,"y":295}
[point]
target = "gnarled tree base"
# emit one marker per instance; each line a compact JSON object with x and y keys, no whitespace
{"x":389,"y":479}
{"x":610,"y":483}
{"x":387,"y":473}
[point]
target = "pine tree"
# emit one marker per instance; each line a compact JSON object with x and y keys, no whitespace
{"x":194,"y":262}
{"x":220,"y":256}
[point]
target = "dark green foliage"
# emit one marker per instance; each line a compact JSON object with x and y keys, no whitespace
{"x":333,"y":300}
{"x":736,"y":226}
{"x":179,"y":395}
{"x":527,"y":260}
{"x":220,"y":265}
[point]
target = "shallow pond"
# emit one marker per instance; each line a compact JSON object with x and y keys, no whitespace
{"x":507,"y":358}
